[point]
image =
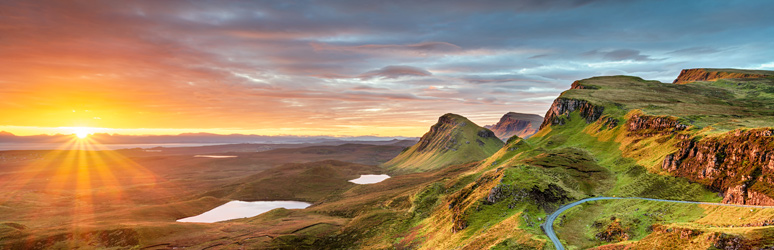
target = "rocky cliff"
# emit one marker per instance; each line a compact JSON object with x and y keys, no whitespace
{"x":647,"y":125}
{"x":740,"y":164}
{"x":518,"y":124}
{"x":695,"y":75}
{"x":564,"y":106}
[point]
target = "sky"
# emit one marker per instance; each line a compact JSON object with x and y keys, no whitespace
{"x":343,"y":68}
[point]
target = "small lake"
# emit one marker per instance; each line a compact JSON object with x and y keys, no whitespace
{"x":370,"y":178}
{"x":242,"y":209}
{"x":215,"y":156}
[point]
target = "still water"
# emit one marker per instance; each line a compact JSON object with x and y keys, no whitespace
{"x":242,"y":209}
{"x":370,"y":178}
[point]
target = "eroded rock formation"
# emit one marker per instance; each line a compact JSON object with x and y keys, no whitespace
{"x":695,"y":75}
{"x":564,"y":106}
{"x":740,"y":164}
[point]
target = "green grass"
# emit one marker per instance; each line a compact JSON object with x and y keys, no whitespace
{"x":309,"y":182}
{"x":455,"y":141}
{"x":724,"y":104}
{"x":580,"y":224}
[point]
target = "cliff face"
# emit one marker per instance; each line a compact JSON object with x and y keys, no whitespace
{"x":694,"y":75}
{"x":518,"y":124}
{"x":646,"y":125}
{"x":740,"y":164}
{"x":564,"y":106}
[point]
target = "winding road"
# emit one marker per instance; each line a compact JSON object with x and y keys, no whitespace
{"x":548,"y":226}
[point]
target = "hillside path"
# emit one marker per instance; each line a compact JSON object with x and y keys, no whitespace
{"x":548,"y":226}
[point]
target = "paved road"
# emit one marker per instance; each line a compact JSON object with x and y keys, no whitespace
{"x":548,"y":226}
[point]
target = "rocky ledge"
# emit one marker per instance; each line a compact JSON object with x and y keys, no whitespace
{"x":695,"y":75}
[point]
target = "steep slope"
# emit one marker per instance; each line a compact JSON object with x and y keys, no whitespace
{"x":612,"y":136}
{"x":518,"y":124}
{"x":453,"y":140}
{"x":703,"y":124}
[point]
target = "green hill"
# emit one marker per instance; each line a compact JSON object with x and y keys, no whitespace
{"x":708,"y":138}
{"x":453,"y":140}
{"x":617,"y":136}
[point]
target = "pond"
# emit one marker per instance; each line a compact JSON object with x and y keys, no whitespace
{"x":370,"y":178}
{"x":242,"y":209}
{"x":216,"y":156}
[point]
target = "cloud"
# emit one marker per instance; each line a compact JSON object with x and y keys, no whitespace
{"x":422,"y":48}
{"x":395,"y":71}
{"x":285,"y":64}
{"x":619,"y":55}
{"x":695,"y":51}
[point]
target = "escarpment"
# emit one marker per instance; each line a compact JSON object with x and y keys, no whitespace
{"x":564,"y":106}
{"x":648,"y":125}
{"x":695,"y":75}
{"x":740,"y":164}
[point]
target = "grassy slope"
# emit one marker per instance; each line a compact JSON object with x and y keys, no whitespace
{"x":558,"y":154}
{"x":455,"y":142}
{"x":744,"y":103}
{"x":724,"y":104}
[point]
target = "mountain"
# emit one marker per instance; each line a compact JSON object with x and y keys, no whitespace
{"x":453,"y":140}
{"x":516,"y":124}
{"x":709,"y":138}
{"x":695,"y":75}
{"x":105,"y":138}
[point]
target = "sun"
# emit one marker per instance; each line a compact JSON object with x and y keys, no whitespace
{"x":82,"y":133}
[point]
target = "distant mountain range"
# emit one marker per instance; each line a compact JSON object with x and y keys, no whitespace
{"x":104,"y":138}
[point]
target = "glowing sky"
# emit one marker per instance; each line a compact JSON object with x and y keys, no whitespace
{"x":343,"y":67}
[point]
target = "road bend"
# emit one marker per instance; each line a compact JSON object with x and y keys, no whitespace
{"x":548,"y":226}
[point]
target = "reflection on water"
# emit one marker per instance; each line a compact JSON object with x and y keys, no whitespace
{"x":242,"y":209}
{"x":370,"y":178}
{"x":216,"y":156}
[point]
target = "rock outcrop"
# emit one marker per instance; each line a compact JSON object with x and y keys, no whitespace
{"x":579,"y":85}
{"x":695,"y":75}
{"x":564,"y":106}
{"x":518,"y":124}
{"x":740,"y":164}
{"x":647,"y":125}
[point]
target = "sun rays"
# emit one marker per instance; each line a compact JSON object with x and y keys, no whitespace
{"x":78,"y":184}
{"x":82,"y":132}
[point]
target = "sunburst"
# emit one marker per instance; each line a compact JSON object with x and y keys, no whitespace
{"x":82,"y":132}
